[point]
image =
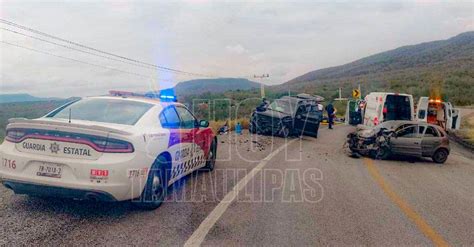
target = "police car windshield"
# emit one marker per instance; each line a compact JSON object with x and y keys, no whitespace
{"x":104,"y":110}
{"x":281,"y":106}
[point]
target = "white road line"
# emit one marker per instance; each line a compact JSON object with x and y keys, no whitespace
{"x":203,"y":229}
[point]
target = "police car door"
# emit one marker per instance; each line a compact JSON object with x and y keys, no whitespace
{"x":193,"y":140}
{"x":170,"y":120}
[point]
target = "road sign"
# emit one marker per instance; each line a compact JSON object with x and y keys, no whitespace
{"x":356,"y":93}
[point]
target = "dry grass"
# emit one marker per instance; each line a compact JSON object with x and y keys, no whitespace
{"x":467,"y":128}
{"x":215,"y":125}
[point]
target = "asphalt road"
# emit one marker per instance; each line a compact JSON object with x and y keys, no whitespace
{"x":308,"y":193}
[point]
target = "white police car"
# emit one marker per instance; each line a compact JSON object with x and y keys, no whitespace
{"x":109,"y":148}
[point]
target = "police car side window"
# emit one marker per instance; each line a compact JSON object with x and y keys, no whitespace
{"x":169,"y":118}
{"x":187,"y":119}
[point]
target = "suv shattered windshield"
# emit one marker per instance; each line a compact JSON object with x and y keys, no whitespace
{"x":283,"y":106}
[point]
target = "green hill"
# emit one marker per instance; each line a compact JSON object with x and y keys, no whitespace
{"x":27,"y":109}
{"x":21,"y":97}
{"x":444,"y":67}
{"x":219,"y":85}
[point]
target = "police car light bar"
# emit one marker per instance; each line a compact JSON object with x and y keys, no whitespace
{"x":150,"y":95}
{"x":168,"y":97}
{"x":121,"y":93}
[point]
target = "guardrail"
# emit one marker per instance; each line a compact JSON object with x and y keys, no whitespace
{"x":461,"y":141}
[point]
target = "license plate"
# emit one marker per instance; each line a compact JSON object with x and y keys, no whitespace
{"x":49,"y":170}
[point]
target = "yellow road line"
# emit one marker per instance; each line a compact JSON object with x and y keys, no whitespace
{"x":403,"y":205}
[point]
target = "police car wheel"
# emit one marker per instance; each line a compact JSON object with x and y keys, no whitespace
{"x":156,"y":187}
{"x":211,"y":160}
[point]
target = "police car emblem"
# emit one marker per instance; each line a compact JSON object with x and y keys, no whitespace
{"x":54,"y":147}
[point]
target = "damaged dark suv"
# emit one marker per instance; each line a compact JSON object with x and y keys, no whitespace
{"x":289,"y":116}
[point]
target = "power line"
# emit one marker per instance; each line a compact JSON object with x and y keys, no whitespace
{"x":100,"y":51}
{"x":79,"y":61}
{"x":75,"y":49}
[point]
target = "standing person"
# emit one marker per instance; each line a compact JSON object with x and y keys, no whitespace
{"x":331,"y":114}
{"x":263,"y":106}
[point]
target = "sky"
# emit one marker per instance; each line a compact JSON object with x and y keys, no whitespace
{"x":212,"y":38}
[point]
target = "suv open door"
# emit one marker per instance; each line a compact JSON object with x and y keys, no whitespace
{"x":307,"y":119}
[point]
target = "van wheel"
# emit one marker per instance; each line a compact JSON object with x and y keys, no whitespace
{"x":156,"y":186}
{"x":440,"y":156}
{"x":211,"y":160}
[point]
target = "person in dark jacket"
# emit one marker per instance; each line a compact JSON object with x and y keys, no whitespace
{"x":331,"y":114}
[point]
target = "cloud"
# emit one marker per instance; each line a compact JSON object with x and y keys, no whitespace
{"x":236,"y":49}
{"x":257,"y":57}
{"x":220,"y":38}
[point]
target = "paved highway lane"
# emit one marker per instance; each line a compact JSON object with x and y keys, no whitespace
{"x":26,"y":220}
{"x":432,"y":205}
{"x":310,"y":193}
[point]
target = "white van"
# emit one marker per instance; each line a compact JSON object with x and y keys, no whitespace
{"x":439,"y":113}
{"x":381,"y":107}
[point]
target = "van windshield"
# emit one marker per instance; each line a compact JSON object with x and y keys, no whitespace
{"x":104,"y":110}
{"x":397,"y":107}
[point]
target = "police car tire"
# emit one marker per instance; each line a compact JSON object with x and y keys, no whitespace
{"x":210,"y":163}
{"x":151,"y":198}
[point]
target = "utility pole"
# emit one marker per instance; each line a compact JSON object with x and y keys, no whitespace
{"x":340,"y":96}
{"x":360,"y":91}
{"x":262,"y":87}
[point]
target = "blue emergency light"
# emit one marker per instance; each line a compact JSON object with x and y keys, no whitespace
{"x":168,"y":95}
{"x":165,"y":97}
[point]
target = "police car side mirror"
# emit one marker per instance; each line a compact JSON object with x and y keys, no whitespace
{"x":203,"y":124}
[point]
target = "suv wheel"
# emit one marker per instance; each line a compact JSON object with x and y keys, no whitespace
{"x":285,"y":131}
{"x":253,"y":128}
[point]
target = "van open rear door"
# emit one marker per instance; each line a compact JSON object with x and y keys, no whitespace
{"x":456,"y":119}
{"x":422,"y":109}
